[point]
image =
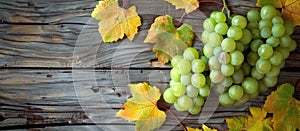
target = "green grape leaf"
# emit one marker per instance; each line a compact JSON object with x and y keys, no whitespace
{"x":187,"y":5}
{"x":169,"y":40}
{"x":116,"y":21}
{"x":285,"y":108}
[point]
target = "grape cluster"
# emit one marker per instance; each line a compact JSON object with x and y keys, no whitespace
{"x":188,"y":87}
{"x":245,"y":54}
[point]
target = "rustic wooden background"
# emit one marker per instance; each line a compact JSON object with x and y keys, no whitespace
{"x":48,"y":84}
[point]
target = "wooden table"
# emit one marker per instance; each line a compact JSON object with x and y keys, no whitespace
{"x":56,"y":74}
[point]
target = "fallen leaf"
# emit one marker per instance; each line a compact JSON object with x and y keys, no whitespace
{"x":257,"y":121}
{"x":187,"y":5}
{"x":290,"y":8}
{"x":192,"y":129}
{"x":169,"y":40}
{"x":285,"y":108}
{"x":204,"y":128}
{"x":236,"y":123}
{"x":142,"y":107}
{"x":116,"y":21}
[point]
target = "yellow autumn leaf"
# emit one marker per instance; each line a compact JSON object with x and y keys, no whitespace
{"x":204,"y":128}
{"x":116,"y":21}
{"x":142,"y":107}
{"x":187,"y":5}
{"x":258,"y":121}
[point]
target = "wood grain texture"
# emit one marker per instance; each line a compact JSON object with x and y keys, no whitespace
{"x":34,"y":98}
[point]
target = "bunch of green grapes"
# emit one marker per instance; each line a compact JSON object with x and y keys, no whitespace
{"x":188,"y":87}
{"x":245,"y":54}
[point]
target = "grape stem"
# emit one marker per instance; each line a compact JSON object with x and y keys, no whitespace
{"x":226,"y":7}
{"x":125,"y":3}
{"x":182,"y":16}
{"x":173,"y":115}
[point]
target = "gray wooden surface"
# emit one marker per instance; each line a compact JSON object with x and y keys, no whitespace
{"x":56,"y":74}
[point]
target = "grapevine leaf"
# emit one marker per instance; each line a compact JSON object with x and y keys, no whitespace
{"x":258,"y":120}
{"x":187,"y":5}
{"x":290,"y":8}
{"x":116,"y":21}
{"x":285,"y":108}
{"x":168,"y":39}
{"x":236,"y":123}
{"x":204,"y":128}
{"x":142,"y":107}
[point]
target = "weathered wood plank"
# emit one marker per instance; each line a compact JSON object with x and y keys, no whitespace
{"x":44,"y":97}
{"x":59,"y":39}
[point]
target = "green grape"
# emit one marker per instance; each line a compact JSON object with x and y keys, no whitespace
{"x":270,"y":81}
{"x":221,"y":28}
{"x":198,"y":101}
{"x":204,"y":36}
{"x":208,"y":51}
{"x":216,"y":76}
{"x":273,"y":41}
{"x":190,"y":53}
{"x":214,"y":39}
{"x":242,"y":100}
{"x":225,"y":100}
{"x":255,"y":74}
{"x":227,"y":69}
{"x":250,"y":85}
{"x":289,"y":27}
{"x":246,"y":68}
{"x":277,"y":20}
{"x":236,"y":57}
{"x":239,"y":21}
{"x":227,"y":82}
{"x":276,"y":58}
{"x":240,"y":47}
{"x":209,"y":24}
{"x":275,"y":70}
{"x":255,"y":44}
{"x":218,"y":50}
{"x":278,"y":30}
{"x":213,"y":14}
{"x":214,"y":63}
{"x":255,"y":94}
{"x":253,"y":15}
{"x":220,"y":17}
{"x":262,"y":88}
{"x":220,"y":89}
{"x":205,"y":60}
{"x":265,"y":51}
{"x":256,"y":34}
{"x":285,"y":41}
{"x":168,"y":96}
{"x":186,"y":79}
{"x":246,"y":37}
{"x":198,"y":66}
{"x":252,"y":57}
{"x":185,"y":102}
{"x":195,"y":110}
{"x":263,"y":66}
{"x":174,"y":74}
{"x":265,"y":32}
{"x":191,"y":91}
{"x":184,"y":66}
{"x":228,"y":45}
{"x":224,"y":58}
{"x":282,"y":64}
{"x":265,"y":23}
{"x":172,"y":83}
{"x":176,"y":59}
{"x":238,"y":67}
{"x":238,"y":76}
{"x":285,"y":52}
{"x":293,"y":45}
{"x":204,"y":91}
{"x":252,"y":25}
{"x":178,"y":89}
{"x":234,"y":32}
{"x":198,"y":80}
{"x":236,"y":92}
{"x":177,"y":107}
{"x":267,"y":12}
